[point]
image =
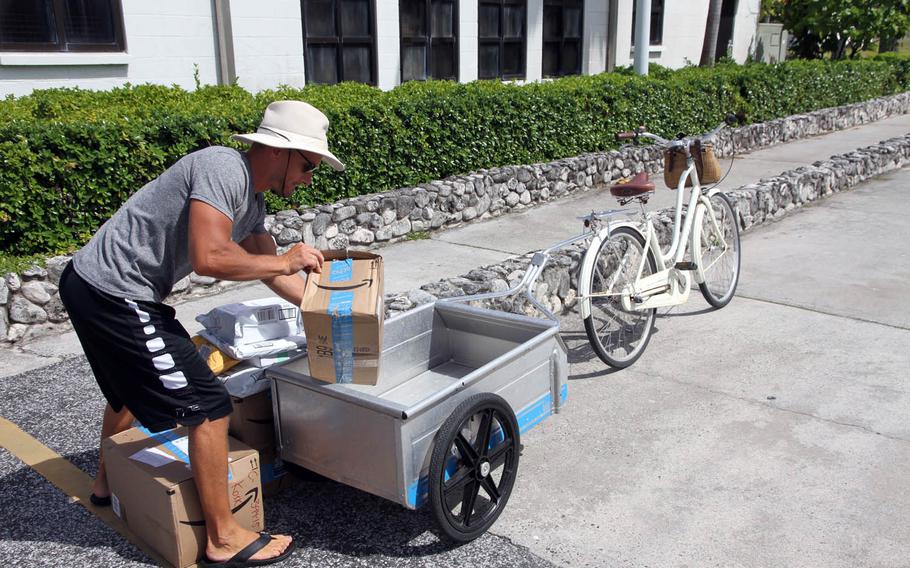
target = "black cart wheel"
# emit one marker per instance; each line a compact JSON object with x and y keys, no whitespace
{"x":473,"y":466}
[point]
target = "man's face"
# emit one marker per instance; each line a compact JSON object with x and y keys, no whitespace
{"x":300,"y":166}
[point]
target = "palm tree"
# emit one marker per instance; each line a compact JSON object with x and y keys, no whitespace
{"x":712,"y":27}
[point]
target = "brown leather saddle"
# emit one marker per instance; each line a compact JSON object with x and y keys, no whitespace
{"x":639,"y":186}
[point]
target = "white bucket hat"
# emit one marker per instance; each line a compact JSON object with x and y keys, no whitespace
{"x":296,"y":125}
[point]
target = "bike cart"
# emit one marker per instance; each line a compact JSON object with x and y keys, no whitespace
{"x":457,"y":387}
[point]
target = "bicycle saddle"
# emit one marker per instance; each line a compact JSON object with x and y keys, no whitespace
{"x":635,"y":187}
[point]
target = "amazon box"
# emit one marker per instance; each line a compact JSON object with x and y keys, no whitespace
{"x":153,"y":492}
{"x":275,"y":476}
{"x":343,"y":313}
{"x":252,"y":421}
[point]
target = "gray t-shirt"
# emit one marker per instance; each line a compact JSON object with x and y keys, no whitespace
{"x":143,"y":250}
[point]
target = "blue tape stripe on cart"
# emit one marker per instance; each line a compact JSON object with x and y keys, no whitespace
{"x":530,"y":416}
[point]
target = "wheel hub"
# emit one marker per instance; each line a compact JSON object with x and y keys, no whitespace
{"x":484,"y":469}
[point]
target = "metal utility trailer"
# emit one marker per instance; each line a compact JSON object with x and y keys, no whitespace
{"x":457,"y":387}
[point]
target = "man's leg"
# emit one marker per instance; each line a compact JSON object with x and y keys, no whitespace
{"x":209,"y":460}
{"x":113,"y":423}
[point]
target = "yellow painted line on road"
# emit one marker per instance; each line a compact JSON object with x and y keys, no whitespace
{"x":68,"y":478}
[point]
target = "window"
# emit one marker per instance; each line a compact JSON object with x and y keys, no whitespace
{"x":562,"y":25}
{"x":503,"y":39}
{"x":338,"y":41}
{"x":61,"y":25}
{"x":429,"y":39}
{"x":657,"y":22}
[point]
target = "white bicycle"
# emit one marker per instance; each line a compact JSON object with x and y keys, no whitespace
{"x":625,"y":276}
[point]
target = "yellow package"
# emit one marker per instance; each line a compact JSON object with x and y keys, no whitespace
{"x":217,"y":361}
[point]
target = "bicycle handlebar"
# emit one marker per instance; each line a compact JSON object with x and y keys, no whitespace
{"x":640,"y":132}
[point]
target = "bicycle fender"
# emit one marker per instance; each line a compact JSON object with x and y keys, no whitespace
{"x":587,"y":263}
{"x":712,"y":192}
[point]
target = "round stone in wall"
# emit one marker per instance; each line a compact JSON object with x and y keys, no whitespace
{"x":56,"y":312}
{"x":35,"y":293}
{"x":288,"y":236}
{"x":34,"y":272}
{"x":16,"y":332}
{"x":362,"y":237}
{"x":321,"y":223}
{"x":13,"y":282}
{"x":55,"y":266}
{"x":23,"y":311}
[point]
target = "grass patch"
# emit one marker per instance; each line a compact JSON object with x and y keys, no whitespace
{"x":12,"y":263}
{"x":418,"y":236}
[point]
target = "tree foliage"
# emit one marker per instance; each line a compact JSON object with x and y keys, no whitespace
{"x":840,"y":28}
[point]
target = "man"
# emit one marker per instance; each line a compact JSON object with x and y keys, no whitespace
{"x":204,"y":214}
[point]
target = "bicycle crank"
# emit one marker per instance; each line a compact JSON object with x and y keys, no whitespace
{"x":666,"y":288}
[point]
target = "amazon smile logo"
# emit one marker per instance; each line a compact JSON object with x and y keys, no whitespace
{"x":251,"y":495}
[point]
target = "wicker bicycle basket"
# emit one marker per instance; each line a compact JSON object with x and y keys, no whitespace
{"x":706,"y":164}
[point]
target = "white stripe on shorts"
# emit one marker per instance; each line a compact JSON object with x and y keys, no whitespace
{"x":173,"y":381}
{"x":163,"y":362}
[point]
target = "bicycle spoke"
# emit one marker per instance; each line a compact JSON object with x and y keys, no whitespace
{"x":719,"y":259}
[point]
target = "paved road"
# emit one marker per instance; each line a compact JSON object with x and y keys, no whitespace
{"x":770,"y":433}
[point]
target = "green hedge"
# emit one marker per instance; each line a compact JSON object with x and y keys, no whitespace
{"x":69,"y":158}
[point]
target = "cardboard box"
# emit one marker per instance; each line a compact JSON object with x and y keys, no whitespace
{"x":252,"y":421}
{"x":252,"y":424}
{"x":343,"y":315}
{"x":275,"y":477}
{"x":153,"y":491}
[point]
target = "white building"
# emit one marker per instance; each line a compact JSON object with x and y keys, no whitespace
{"x":99,"y":44}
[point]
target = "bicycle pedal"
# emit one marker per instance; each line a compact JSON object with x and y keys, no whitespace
{"x":686,"y":266}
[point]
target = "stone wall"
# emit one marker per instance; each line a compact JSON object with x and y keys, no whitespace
{"x":30,"y":305}
{"x":755,"y":204}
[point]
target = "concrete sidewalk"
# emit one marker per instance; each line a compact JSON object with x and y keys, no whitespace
{"x":453,"y":252}
{"x":772,"y":432}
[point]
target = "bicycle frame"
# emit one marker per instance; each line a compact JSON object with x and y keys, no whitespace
{"x":668,"y":285}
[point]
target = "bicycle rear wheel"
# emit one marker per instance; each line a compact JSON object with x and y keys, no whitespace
{"x":618,"y":336}
{"x":717,"y":252}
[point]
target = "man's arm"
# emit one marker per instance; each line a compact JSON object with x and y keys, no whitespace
{"x":213,"y":253}
{"x":289,"y":287}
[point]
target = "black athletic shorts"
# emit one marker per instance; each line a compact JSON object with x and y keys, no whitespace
{"x":142,"y":357}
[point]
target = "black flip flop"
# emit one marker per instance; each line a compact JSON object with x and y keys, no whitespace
{"x":242,"y":558}
{"x":100,"y":501}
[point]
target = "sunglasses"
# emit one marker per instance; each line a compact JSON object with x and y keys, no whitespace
{"x":310,"y":165}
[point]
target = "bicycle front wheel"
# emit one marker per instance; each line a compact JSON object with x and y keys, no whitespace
{"x":717,"y":252}
{"x":618,"y":336}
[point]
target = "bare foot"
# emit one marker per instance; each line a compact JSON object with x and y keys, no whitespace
{"x":219,"y":552}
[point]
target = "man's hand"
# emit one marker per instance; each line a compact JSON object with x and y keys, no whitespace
{"x":302,"y":257}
